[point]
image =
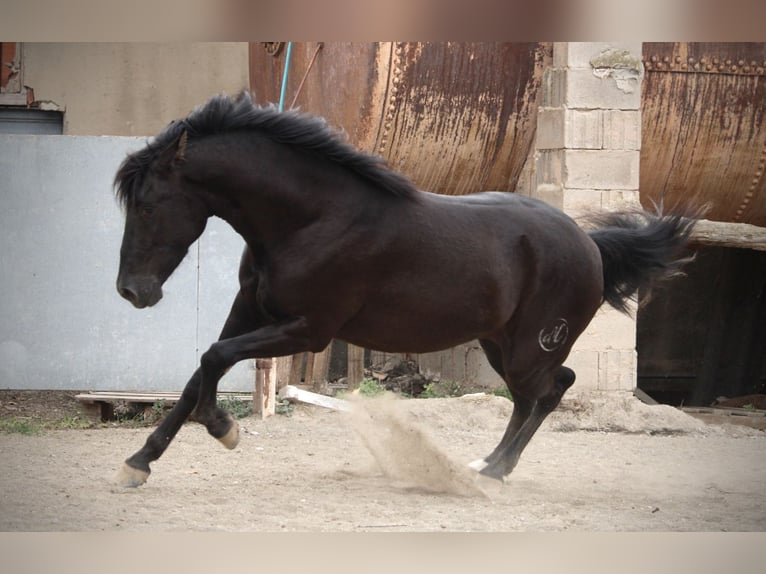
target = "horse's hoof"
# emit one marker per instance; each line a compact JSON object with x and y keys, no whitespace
{"x":478,"y":465}
{"x":231,"y":439}
{"x":130,"y":477}
{"x":494,"y":471}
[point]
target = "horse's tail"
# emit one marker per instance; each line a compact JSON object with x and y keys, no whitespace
{"x":638,"y":248}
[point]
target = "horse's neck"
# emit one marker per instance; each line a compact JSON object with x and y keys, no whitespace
{"x":270,"y":191}
{"x":258,"y":205}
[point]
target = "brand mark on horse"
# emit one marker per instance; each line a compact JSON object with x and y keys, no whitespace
{"x":552,"y":338}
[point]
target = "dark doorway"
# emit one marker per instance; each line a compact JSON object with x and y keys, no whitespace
{"x":703,"y":336}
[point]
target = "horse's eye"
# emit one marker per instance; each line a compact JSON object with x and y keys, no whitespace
{"x":146,"y":210}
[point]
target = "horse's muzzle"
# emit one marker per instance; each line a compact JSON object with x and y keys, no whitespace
{"x":141,"y":292}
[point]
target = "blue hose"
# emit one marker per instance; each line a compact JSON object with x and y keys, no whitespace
{"x":284,"y":76}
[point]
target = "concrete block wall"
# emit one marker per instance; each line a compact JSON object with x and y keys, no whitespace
{"x":588,"y":150}
{"x":466,"y":364}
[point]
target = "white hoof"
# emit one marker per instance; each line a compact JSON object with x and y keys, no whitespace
{"x":231,"y":439}
{"x":129,"y":477}
{"x":478,"y":465}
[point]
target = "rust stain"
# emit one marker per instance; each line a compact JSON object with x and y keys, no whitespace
{"x":703,"y":129}
{"x":455,"y":117}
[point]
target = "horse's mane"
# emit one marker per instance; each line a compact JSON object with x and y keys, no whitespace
{"x":224,"y":114}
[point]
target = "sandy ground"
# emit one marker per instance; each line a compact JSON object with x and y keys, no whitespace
{"x":399,"y":465}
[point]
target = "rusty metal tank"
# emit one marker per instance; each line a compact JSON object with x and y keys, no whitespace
{"x":455,"y":117}
{"x":704,"y":128}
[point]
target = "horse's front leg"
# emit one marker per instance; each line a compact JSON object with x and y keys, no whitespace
{"x":136,"y":470}
{"x":286,"y":338}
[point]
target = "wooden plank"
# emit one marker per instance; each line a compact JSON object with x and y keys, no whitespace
{"x":109,"y":396}
{"x":128,"y":397}
{"x":92,"y":411}
{"x":265,"y":393}
{"x":99,"y":405}
{"x":296,"y":369}
{"x":741,"y":235}
{"x":292,"y":393}
{"x":320,"y":370}
{"x":284,"y":365}
{"x":726,"y":411}
{"x":309,"y":372}
{"x":713,"y":415}
{"x":355,"y":366}
{"x":643,"y":397}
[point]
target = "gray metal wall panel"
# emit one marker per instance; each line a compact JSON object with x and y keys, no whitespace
{"x":62,"y":323}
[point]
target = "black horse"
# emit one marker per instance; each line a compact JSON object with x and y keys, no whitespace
{"x":340,"y":246}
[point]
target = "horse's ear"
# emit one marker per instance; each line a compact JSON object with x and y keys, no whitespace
{"x":173,"y":155}
{"x":181,"y":149}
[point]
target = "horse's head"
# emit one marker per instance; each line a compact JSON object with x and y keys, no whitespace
{"x":163,"y":217}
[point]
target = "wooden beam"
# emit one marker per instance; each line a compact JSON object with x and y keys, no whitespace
{"x":355,"y":366}
{"x":295,"y":394}
{"x":643,"y":397}
{"x":264,"y":396}
{"x":308,"y":375}
{"x":284,"y":367}
{"x":320,"y":369}
{"x":296,"y":369}
{"x":724,"y":234}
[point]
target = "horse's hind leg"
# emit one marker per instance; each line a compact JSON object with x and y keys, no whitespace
{"x":519,"y":432}
{"x":522,"y":407}
{"x":136,"y":470}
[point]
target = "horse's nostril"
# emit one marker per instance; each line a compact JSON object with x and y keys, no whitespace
{"x":129,"y":294}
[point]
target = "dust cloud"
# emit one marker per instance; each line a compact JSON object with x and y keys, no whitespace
{"x":405,"y":452}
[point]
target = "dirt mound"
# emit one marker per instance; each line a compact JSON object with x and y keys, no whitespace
{"x":583,"y":411}
{"x":621,"y":412}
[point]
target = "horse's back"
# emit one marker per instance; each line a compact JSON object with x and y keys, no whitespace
{"x":461,"y":268}
{"x":519,"y":226}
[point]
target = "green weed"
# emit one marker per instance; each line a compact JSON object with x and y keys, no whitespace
{"x":68,"y":423}
{"x":15,"y":425}
{"x":504,"y":392}
{"x":236,"y":407}
{"x":284,"y":407}
{"x":371,"y":388}
{"x":449,"y":389}
{"x":443,"y":390}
